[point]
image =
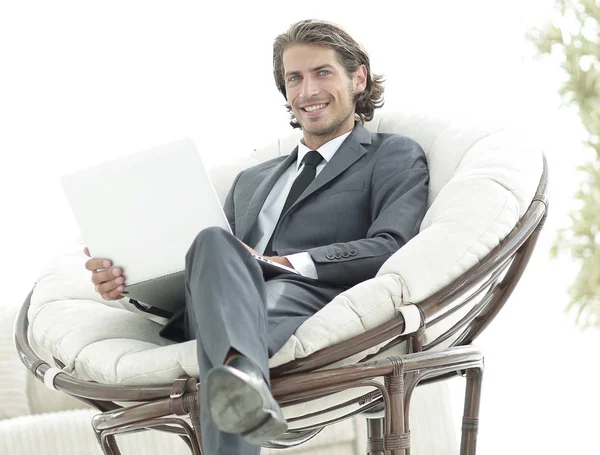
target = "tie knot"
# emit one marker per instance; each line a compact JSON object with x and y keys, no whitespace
{"x":312,"y":158}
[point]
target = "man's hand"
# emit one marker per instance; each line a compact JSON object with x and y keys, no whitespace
{"x":279,"y":259}
{"x":109,"y":281}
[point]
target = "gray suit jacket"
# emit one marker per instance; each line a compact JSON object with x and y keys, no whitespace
{"x":365,"y":204}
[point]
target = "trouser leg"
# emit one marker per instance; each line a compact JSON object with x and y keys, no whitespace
{"x":224,"y":310}
{"x":214,"y":441}
{"x":224,"y":298}
{"x":230,"y":306}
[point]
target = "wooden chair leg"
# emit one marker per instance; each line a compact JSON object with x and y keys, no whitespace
{"x":398,"y":441}
{"x":375,"y":437}
{"x":108,"y":444}
{"x":470,"y":425}
{"x":193,"y":407}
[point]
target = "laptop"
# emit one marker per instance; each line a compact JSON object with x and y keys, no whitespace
{"x":143,"y":211}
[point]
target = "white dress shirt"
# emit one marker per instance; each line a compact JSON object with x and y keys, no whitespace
{"x":271,"y":209}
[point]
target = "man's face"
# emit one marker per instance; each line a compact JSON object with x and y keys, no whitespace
{"x":319,"y":92}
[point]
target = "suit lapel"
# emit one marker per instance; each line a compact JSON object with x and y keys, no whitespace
{"x":349,"y":152}
{"x":261,"y":193}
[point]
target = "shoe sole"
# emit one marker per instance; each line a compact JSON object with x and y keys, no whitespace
{"x":235,"y":406}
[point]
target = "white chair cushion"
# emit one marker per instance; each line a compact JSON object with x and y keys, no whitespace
{"x":482,"y":180}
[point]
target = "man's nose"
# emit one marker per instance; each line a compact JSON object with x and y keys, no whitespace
{"x":309,"y":87}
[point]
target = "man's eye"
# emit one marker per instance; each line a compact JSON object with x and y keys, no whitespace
{"x":293,"y":78}
{"x":324,"y":72}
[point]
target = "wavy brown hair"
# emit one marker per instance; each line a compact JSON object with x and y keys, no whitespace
{"x":349,"y":53}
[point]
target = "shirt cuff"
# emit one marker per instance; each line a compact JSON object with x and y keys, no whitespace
{"x":304,"y":264}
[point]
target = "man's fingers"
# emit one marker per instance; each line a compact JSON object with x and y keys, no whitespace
{"x":112,"y":295}
{"x":106,"y":275}
{"x":109,"y":282}
{"x":97,"y":264}
{"x":118,"y":284}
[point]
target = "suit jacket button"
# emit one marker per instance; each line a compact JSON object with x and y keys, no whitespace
{"x":338,"y":255}
{"x":353,"y":252}
{"x":330,"y":256}
{"x":346,"y":254}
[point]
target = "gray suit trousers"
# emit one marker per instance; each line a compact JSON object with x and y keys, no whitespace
{"x":229,"y":305}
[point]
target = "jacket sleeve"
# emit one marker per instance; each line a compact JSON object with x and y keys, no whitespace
{"x":399,"y":191}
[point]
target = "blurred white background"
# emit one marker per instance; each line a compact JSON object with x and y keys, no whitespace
{"x":82,"y":83}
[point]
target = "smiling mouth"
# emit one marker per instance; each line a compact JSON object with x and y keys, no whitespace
{"x":315,"y":107}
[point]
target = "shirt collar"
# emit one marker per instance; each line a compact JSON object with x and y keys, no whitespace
{"x":327,"y":150}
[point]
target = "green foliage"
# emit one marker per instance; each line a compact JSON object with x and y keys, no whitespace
{"x":573,"y":36}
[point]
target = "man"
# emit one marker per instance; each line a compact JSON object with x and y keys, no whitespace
{"x":335,"y":209}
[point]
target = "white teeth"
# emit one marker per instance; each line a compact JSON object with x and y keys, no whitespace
{"x":314,"y":107}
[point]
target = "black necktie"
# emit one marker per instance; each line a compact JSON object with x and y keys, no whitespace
{"x":311,"y":161}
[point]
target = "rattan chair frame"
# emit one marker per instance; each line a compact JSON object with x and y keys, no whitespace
{"x":169,"y":407}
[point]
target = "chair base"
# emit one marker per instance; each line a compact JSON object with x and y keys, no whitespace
{"x":389,"y":434}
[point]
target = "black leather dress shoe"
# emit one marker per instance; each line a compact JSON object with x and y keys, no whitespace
{"x":239,"y":401}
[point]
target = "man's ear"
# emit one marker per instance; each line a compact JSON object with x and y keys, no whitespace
{"x":360,"y":79}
